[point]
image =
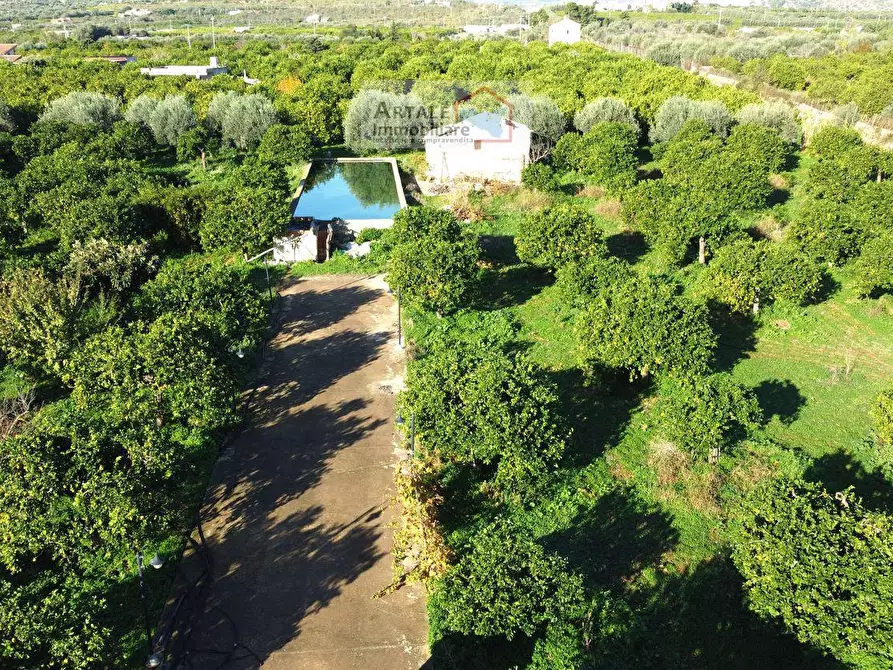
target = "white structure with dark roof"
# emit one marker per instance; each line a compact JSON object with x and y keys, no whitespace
{"x":195,"y":71}
{"x":483,"y":146}
{"x":566,"y":31}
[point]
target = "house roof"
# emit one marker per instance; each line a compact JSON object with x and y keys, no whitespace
{"x":10,"y":58}
{"x":566,"y":21}
{"x":483,"y":126}
{"x":7,"y":49}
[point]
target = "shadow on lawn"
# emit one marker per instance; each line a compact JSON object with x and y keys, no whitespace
{"x":780,"y":398}
{"x":735,"y":336}
{"x":598,"y":411}
{"x":840,"y":470}
{"x":510,"y":286}
{"x":700,"y":620}
{"x":628,"y":245}
{"x":613,"y":541}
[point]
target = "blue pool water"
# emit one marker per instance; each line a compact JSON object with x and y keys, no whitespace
{"x":352,"y":190}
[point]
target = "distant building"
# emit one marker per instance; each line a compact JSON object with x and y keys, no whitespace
{"x":241,"y":29}
{"x":506,"y":28}
{"x":135,"y":12}
{"x":8,"y":53}
{"x":479,"y":30}
{"x":117,"y":60}
{"x":483,"y":146}
{"x":566,"y":31}
{"x":195,"y":71}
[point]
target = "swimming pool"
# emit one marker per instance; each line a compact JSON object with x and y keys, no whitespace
{"x":362,"y":192}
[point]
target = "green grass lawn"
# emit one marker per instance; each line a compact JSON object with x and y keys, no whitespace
{"x":633,"y":513}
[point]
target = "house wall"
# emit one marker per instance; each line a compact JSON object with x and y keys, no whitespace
{"x":493,"y":160}
{"x":564,"y":32}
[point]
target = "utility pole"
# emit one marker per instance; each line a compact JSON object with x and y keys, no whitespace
{"x":188,"y":36}
{"x":213,"y":35}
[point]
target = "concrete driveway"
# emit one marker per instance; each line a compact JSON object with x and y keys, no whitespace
{"x":298,"y":513}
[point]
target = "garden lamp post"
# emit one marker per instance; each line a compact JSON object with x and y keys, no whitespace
{"x":154,"y":659}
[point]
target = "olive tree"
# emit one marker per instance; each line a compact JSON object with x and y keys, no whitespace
{"x":545,"y":120}
{"x":603,"y":110}
{"x":83,"y":108}
{"x":819,"y":564}
{"x":377,"y":120}
{"x":140,"y":110}
{"x":674,"y":113}
{"x":777,"y":116}
{"x":170,"y":119}
{"x":241,"y":120}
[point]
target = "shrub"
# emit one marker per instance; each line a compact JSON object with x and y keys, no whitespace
{"x":778,"y":116}
{"x":216,"y":294}
{"x":434,"y":260}
{"x":558,"y":235}
{"x":820,"y":565}
{"x":882,"y":413}
{"x":567,"y":156}
{"x":703,"y":414}
{"x":791,"y":275}
{"x":540,"y":177}
{"x":7,"y":120}
{"x":474,"y":403}
{"x":825,"y":231}
{"x":247,"y":211}
{"x":735,"y":274}
{"x":874,"y":267}
{"x":673,"y":114}
{"x":579,"y":281}
{"x":370,"y":235}
{"x":544,"y":119}
{"x":506,"y":585}
{"x":286,"y":145}
{"x":604,"y":110}
{"x":610,"y":155}
{"x":644,"y":326}
{"x":83,"y":108}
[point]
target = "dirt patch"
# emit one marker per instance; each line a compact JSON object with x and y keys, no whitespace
{"x":608,"y":209}
{"x":781,"y":324}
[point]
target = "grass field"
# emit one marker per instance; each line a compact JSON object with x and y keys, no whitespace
{"x":634,"y":513}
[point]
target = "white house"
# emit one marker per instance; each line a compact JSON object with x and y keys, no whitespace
{"x":566,"y":31}
{"x":196,"y":71}
{"x":477,"y":29}
{"x":483,"y":146}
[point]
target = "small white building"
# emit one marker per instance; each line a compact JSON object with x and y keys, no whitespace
{"x":566,"y":31}
{"x":195,"y":71}
{"x":483,"y":146}
{"x":477,"y":29}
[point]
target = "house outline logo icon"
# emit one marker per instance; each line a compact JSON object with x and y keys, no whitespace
{"x":486,"y":90}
